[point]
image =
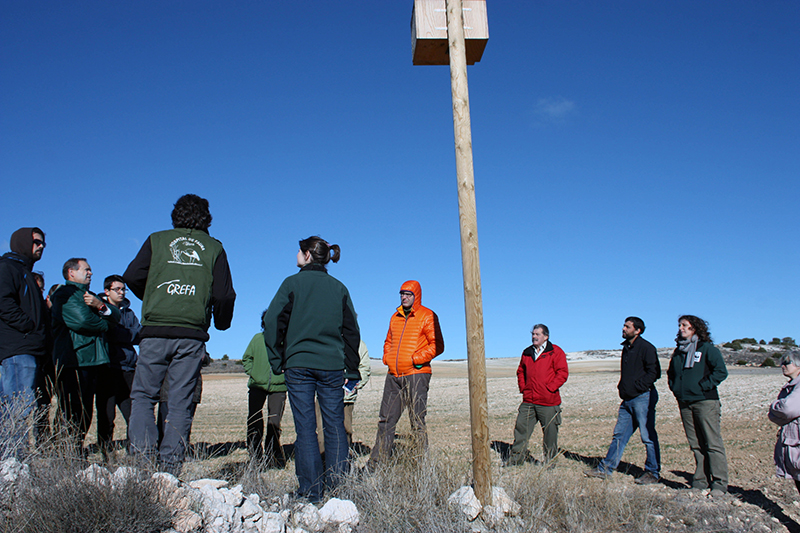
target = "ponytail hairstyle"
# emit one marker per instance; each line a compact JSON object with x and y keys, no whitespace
{"x":321,"y":252}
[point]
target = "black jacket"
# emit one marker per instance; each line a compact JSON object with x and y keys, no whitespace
{"x":22,"y":314}
{"x":639,"y":368}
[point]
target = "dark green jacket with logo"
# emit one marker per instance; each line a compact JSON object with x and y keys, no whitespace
{"x":78,"y":330}
{"x":182,"y":277}
{"x":699,"y":382}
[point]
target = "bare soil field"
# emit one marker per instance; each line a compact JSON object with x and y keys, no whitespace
{"x":590,"y":404}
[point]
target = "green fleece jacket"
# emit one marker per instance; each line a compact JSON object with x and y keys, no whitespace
{"x":78,"y":330}
{"x":699,"y":382}
{"x":256,"y":364}
{"x":311,"y":323}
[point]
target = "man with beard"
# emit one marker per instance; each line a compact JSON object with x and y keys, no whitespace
{"x":22,"y":337}
{"x":639,"y":371}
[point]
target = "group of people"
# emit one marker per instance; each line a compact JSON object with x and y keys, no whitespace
{"x":695,"y":370}
{"x":81,"y":345}
{"x":310,"y":349}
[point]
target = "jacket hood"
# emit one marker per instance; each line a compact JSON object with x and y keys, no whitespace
{"x":413,"y":286}
{"x":22,"y":243}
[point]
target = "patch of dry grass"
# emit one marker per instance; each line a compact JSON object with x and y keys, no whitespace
{"x":409,"y":493}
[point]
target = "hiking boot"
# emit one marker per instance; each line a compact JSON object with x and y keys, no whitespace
{"x":596,"y":472}
{"x":647,"y":479}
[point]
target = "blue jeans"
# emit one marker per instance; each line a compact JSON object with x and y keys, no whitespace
{"x":17,"y":400}
{"x":303,"y":384}
{"x":639,"y":412}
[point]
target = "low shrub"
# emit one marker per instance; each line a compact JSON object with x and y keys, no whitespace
{"x":741,"y":362}
{"x":768,"y":361}
{"x":733,"y":345}
{"x":56,"y":500}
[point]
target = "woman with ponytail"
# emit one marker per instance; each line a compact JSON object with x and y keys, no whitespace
{"x":312,"y":337}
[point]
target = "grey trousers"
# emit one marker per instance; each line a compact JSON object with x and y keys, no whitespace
{"x":183,"y":359}
{"x":701,"y":422}
{"x":399,"y":393}
{"x":529,"y":416}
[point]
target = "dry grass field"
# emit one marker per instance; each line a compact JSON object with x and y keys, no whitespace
{"x":590,"y":405}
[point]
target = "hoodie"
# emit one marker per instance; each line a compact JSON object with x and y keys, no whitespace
{"x":414,"y":338}
{"x":22,"y":310}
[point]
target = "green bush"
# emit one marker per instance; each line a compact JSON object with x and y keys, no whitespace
{"x":768,"y":362}
{"x":741,"y":362}
{"x":775,"y":341}
{"x":748,"y":340}
{"x":733,"y":345}
{"x":788,"y":341}
{"x":762,"y":341}
{"x":760,"y":350}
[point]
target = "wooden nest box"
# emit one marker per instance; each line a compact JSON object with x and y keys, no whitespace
{"x":429,"y":31}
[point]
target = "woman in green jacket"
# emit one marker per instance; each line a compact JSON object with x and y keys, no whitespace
{"x":264,"y":387}
{"x":695,"y":370}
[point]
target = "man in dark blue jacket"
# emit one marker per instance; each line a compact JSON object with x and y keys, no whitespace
{"x":639,"y":370}
{"x":22,"y":337}
{"x":116,"y":392}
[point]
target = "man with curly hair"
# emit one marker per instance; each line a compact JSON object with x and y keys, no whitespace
{"x":183,"y":278}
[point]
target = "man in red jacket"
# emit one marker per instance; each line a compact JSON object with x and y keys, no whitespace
{"x":542,"y":370}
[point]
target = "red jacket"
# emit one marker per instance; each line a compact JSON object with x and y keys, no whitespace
{"x":413,"y":340}
{"x":540,"y":380}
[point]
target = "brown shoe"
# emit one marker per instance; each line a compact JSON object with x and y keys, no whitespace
{"x":647,"y":479}
{"x":596,"y":472}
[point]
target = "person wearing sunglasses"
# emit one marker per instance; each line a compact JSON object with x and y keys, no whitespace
{"x":22,"y":337}
{"x":785,"y":412}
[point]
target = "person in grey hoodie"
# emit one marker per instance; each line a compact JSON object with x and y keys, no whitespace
{"x":785,"y":411}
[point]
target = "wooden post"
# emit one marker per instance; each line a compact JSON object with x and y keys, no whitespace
{"x":470,"y":264}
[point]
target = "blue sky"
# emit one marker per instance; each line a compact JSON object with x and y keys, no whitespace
{"x":631,"y":158}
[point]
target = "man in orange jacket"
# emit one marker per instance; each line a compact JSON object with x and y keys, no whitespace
{"x":413,"y":340}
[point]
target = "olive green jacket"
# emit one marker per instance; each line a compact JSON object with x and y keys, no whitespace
{"x":256,"y":363}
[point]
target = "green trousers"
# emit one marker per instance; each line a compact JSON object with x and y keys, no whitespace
{"x":529,"y":416}
{"x":701,"y":422}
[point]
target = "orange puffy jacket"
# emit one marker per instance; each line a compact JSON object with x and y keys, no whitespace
{"x":413,"y":340}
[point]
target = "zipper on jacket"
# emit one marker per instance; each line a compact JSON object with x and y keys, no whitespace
{"x":397,"y":355}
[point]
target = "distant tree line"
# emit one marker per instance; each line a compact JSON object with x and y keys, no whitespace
{"x":738,"y":344}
